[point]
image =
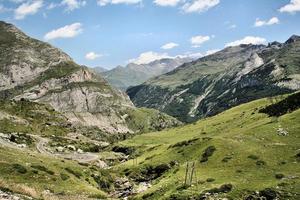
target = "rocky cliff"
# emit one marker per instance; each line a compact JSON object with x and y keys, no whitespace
{"x":36,"y":71}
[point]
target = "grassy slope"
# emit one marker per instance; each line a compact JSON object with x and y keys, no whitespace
{"x":236,"y":133}
{"x":34,"y":182}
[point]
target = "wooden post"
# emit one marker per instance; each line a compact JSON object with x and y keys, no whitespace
{"x":192,"y":173}
{"x":186,"y":173}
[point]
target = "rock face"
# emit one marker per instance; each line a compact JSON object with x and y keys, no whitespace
{"x":135,"y":74}
{"x":222,"y":80}
{"x":33,"y":70}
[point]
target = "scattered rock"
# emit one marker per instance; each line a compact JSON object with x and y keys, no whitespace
{"x":282,"y":132}
{"x":60,"y":149}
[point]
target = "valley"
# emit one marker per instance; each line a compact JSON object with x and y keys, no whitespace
{"x":200,"y":119}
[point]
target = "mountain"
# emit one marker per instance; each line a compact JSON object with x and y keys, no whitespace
{"x":222,"y":80}
{"x":99,"y":69}
{"x":36,"y":71}
{"x":135,"y":74}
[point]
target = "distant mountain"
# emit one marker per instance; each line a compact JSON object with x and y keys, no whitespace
{"x":36,"y":71}
{"x":135,"y":74}
{"x":222,"y":80}
{"x":99,"y":69}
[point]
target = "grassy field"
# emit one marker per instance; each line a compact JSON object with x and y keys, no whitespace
{"x":248,"y":152}
{"x":39,"y":176}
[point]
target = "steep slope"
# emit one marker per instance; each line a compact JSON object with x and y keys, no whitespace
{"x":33,"y":70}
{"x":222,"y":80}
{"x":134,"y":74}
{"x":242,"y":153}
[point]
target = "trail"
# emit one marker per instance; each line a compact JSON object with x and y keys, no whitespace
{"x":41,"y":148}
{"x":80,"y":157}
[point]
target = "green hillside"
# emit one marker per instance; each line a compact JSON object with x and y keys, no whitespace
{"x":236,"y":153}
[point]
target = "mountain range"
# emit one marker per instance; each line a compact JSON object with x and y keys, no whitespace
{"x":36,"y":71}
{"x":66,"y":133}
{"x":214,"y":83}
{"x":135,"y":74}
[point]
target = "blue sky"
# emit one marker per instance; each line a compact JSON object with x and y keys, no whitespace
{"x":108,"y":33}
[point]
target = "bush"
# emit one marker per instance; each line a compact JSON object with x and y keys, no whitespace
{"x":260,"y":163}
{"x":226,"y":159}
{"x":209,"y":180}
{"x":253,"y":157}
{"x":42,"y":168}
{"x":19,"y":168}
{"x":123,"y":149}
{"x":64,"y":176}
{"x":222,"y":189}
{"x":279,"y":176}
{"x":184,"y":143}
{"x":208,"y":152}
{"x":75,"y":173}
{"x":103,"y":183}
{"x":269,"y":194}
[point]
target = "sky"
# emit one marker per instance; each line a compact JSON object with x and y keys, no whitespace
{"x":108,"y":33}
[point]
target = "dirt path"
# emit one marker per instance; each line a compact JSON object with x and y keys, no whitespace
{"x":41,"y":147}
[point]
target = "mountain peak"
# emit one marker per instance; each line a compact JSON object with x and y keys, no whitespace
{"x":293,"y":39}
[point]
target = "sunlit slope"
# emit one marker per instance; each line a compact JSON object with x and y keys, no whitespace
{"x":244,"y":148}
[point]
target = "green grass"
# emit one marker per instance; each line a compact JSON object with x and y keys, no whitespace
{"x":236,"y":134}
{"x":143,"y":120}
{"x":20,"y":169}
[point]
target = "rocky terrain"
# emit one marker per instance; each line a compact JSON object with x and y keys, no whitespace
{"x":135,"y":74}
{"x":36,"y":71}
{"x":222,"y":80}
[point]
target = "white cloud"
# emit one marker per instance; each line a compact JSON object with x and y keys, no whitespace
{"x":170,"y":45}
{"x":147,"y":57}
{"x":199,"y":5}
{"x":28,"y":8}
{"x":247,"y":40}
{"x":73,"y":4}
{"x":292,"y":7}
{"x":92,"y":56}
{"x":196,"y":41}
{"x":272,"y":21}
{"x":52,"y":6}
{"x":68,"y":31}
{"x":106,"y":2}
{"x":167,"y":2}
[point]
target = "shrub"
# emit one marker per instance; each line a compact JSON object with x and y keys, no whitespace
{"x":209,"y":180}
{"x":208,"y":152}
{"x":268,"y":194}
{"x":226,"y":159}
{"x":75,"y":173}
{"x":279,"y":176}
{"x":123,"y":149}
{"x":184,"y":143}
{"x":253,"y":157}
{"x":19,"y":168}
{"x":222,"y":189}
{"x":42,"y":168}
{"x":104,"y":183}
{"x":64,"y":176}
{"x":260,"y":163}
